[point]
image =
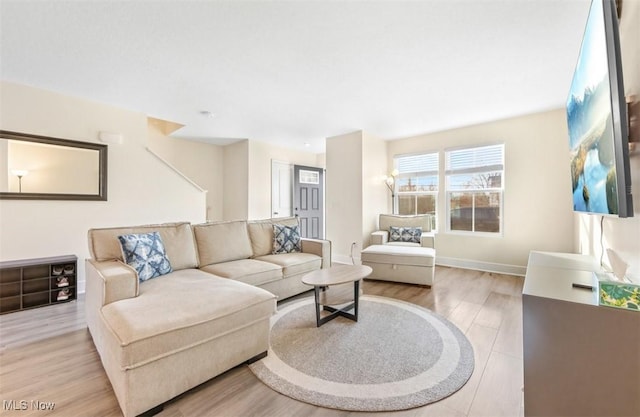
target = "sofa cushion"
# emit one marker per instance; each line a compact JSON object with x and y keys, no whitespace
{"x":222,"y":241}
{"x":177,"y":238}
{"x":399,"y":255}
{"x":145,"y":253}
{"x":251,"y":271}
{"x":181,"y":310}
{"x":286,"y":239}
{"x":294,"y":263}
{"x":261,"y":233}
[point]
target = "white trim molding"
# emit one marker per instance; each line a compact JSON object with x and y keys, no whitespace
{"x":481,"y":266}
{"x":176,"y":170}
{"x":344,"y":259}
{"x":453,"y":263}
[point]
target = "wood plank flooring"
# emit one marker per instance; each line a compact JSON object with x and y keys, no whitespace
{"x":47,"y":355}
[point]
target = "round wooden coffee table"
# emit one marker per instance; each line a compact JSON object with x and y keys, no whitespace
{"x":329,"y":292}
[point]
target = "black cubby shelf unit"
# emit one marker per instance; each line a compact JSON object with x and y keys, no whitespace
{"x":31,"y":283}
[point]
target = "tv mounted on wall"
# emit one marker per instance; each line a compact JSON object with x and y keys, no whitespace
{"x":597,"y":119}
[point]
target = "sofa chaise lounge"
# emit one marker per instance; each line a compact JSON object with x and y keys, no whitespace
{"x":161,"y":337}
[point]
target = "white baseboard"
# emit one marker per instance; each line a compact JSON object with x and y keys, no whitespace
{"x":452,"y":262}
{"x":344,"y":259}
{"x":481,"y":266}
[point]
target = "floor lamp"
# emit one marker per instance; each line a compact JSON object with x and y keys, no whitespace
{"x":391,"y":184}
{"x":20,"y":173}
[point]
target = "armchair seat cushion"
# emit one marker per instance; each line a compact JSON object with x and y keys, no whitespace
{"x":409,"y":264}
{"x":399,"y":255}
{"x":180,"y":310}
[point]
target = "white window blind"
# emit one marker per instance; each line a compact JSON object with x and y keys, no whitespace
{"x":425,"y":164}
{"x":417,"y":173}
{"x":470,"y":160}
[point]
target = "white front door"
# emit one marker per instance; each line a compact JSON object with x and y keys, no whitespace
{"x":281,"y":189}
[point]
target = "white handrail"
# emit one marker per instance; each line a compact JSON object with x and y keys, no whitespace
{"x":176,"y":170}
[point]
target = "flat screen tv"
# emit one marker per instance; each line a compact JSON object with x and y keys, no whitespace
{"x":597,"y":120}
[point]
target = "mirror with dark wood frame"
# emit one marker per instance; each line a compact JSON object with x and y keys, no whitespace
{"x":36,"y":167}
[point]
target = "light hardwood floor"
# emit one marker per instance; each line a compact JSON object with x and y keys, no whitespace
{"x":47,"y":355}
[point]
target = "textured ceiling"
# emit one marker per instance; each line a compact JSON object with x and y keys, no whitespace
{"x":297,"y":72}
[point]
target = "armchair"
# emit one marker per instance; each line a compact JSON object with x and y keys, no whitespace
{"x":399,"y":253}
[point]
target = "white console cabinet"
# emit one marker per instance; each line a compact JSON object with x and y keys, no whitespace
{"x":580,"y":359}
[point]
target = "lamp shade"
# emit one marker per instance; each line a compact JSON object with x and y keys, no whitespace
{"x":19,"y":172}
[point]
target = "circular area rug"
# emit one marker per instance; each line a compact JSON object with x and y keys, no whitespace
{"x":397,"y":356}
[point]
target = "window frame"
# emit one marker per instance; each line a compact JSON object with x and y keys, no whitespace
{"x":474,"y":192}
{"x":415,"y":194}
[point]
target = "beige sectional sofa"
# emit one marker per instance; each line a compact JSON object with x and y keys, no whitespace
{"x":161,"y":337}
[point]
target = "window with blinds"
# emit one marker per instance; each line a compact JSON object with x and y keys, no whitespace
{"x":416,"y":185}
{"x":474,"y":189}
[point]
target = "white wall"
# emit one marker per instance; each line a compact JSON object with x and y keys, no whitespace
{"x":239,"y":172}
{"x":621,"y":235}
{"x":538,"y":212}
{"x":141,"y":189}
{"x":375,"y":194}
{"x":356,"y":163}
{"x":247,"y":177}
{"x":260,"y":156}
{"x":200,"y":162}
{"x":235,"y":196}
{"x":344,"y":193}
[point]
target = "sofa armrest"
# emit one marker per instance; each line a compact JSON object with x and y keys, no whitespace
{"x":106,"y":282}
{"x":319,"y":247}
{"x":379,"y":237}
{"x":110,"y":281}
{"x":428,"y":240}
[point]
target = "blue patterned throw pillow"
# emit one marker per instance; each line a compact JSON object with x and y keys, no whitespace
{"x":146,"y":254}
{"x":405,"y":234}
{"x":286,"y":239}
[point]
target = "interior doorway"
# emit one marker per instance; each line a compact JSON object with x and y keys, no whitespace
{"x":281,"y":189}
{"x":298,"y":190}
